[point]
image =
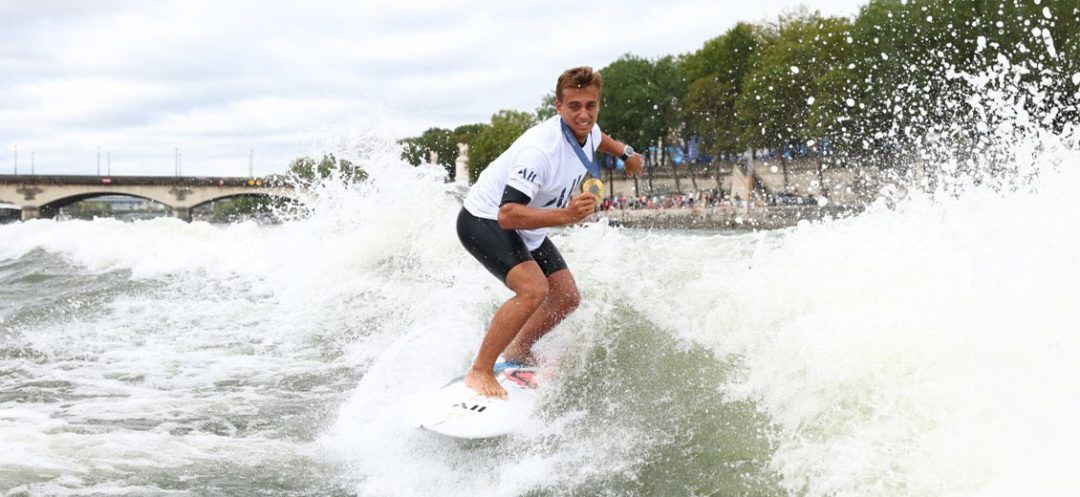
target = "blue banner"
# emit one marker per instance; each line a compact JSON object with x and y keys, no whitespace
{"x":675,"y":154}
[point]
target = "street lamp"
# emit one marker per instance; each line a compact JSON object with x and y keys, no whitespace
{"x":99,"y":160}
{"x":16,"y":159}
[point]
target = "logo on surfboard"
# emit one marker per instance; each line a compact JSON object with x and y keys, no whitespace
{"x":473,"y":407}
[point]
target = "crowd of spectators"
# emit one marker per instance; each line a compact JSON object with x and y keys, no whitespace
{"x":704,"y":198}
{"x":700,"y":199}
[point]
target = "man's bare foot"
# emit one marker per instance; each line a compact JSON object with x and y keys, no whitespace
{"x":524,"y":357}
{"x":484,"y":383}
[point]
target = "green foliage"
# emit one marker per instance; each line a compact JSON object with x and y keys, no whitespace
{"x":236,"y":208}
{"x":641,"y":99}
{"x":547,"y":107}
{"x":727,"y":57}
{"x":412,"y":151}
{"x":439,"y":141}
{"x":717,"y":73}
{"x":786,"y":100}
{"x":303,"y":167}
{"x":88,"y":209}
{"x":506,"y":126}
{"x":308,"y":169}
{"x":904,"y":50}
{"x":466,"y":132}
{"x":444,"y":144}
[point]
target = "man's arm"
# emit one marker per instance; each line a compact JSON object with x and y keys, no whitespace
{"x":610,"y":146}
{"x":515,"y":216}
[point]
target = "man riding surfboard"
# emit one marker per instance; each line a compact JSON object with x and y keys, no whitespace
{"x":531,"y":187}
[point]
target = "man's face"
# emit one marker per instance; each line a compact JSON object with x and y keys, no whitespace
{"x":578,"y":109}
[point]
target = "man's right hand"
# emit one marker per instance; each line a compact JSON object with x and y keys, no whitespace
{"x":581,"y":207}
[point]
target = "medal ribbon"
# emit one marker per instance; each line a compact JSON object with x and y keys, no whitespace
{"x":591,"y":166}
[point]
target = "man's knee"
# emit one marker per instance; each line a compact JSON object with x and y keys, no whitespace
{"x":533,"y":291}
{"x":529,"y":283}
{"x":569,"y":300}
{"x":564,"y":293}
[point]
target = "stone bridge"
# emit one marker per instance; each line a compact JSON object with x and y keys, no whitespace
{"x":43,"y":196}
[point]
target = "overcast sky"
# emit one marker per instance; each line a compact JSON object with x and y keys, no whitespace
{"x":217,"y":80}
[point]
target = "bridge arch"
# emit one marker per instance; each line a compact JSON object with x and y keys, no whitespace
{"x":50,"y":209}
{"x":275,"y":195}
{"x":275,"y":201}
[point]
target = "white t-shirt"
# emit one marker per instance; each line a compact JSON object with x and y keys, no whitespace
{"x":540,"y":164}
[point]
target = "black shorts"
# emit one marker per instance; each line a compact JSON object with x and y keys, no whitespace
{"x":500,"y":250}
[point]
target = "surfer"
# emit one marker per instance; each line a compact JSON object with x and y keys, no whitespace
{"x":532,"y":186}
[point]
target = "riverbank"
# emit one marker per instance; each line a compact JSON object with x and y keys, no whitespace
{"x":726,"y":217}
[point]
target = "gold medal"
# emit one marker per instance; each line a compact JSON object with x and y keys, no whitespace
{"x":593,"y":186}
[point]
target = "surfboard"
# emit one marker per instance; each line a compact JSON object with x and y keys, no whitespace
{"x":457,"y":411}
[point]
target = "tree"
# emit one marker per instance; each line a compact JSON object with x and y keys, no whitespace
{"x":717,"y":73}
{"x":640,"y":100}
{"x":506,"y":126}
{"x":440,"y":141}
{"x":728,"y":56}
{"x":786,"y":83}
{"x":444,"y":144}
{"x":233,"y":209}
{"x":466,"y":132}
{"x":901,"y":54}
{"x":412,"y":151}
{"x":306,"y":168}
{"x":905,"y":50}
{"x":795,"y":88}
{"x":547,"y":107}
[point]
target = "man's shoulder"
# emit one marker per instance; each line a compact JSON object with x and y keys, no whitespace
{"x":540,"y":140}
{"x":545,"y":133}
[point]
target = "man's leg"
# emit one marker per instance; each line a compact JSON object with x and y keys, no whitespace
{"x":530,"y":291}
{"x":562,"y":299}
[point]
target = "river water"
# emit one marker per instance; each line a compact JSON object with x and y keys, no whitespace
{"x":927,"y":346}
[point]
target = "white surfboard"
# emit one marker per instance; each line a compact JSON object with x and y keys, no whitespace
{"x":458,"y":411}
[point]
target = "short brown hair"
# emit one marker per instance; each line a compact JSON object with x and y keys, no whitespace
{"x":577,"y":77}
